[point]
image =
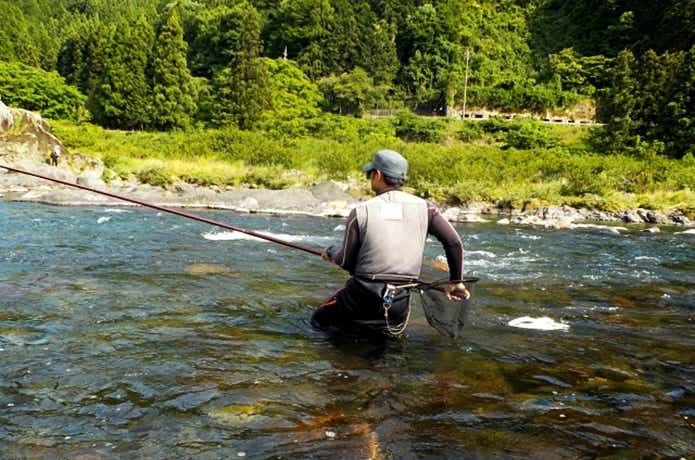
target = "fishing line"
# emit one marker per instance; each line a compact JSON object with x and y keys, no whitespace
{"x":170,"y":211}
{"x":442,"y":313}
{"x":420,"y":286}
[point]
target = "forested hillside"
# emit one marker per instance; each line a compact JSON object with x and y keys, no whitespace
{"x":156,"y":65}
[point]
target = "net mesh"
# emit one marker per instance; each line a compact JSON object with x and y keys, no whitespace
{"x":447,"y":316}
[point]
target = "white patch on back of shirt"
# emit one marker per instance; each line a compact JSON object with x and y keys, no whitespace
{"x":392,"y":211}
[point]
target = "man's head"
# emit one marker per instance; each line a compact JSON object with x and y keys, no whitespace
{"x":392,"y":166}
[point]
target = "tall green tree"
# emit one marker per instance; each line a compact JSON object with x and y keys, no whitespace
{"x":213,"y":36}
{"x":349,"y":93}
{"x":173,"y":95}
{"x":303,"y":28}
{"x":34,"y":89}
{"x":293,"y":99}
{"x":617,"y":106}
{"x":649,"y":104}
{"x":120,"y":94}
{"x":242,"y":86}
{"x":378,"y":55}
{"x":433,"y":59}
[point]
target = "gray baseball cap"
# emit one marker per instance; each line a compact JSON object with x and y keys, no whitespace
{"x":390,"y":163}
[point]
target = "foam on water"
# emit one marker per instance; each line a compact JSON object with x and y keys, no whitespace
{"x":101,"y":220}
{"x":116,"y":211}
{"x":489,"y":254}
{"x":232,"y":236}
{"x":543,"y":323}
{"x":529,"y":237}
{"x":655,"y":259}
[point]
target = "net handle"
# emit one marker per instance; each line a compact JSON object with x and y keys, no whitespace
{"x":436,"y":284}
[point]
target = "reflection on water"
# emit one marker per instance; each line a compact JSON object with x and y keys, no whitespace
{"x":139,"y":336}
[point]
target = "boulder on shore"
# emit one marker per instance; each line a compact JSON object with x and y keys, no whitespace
{"x":6,"y":118}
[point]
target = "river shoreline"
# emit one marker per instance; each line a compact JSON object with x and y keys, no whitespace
{"x":27,"y":137}
{"x":328,"y":200}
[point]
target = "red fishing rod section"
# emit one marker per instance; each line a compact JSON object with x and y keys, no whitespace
{"x":171,"y":211}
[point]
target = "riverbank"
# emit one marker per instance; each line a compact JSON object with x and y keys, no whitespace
{"x":255,"y":172}
{"x":560,"y":178}
{"x":328,"y":199}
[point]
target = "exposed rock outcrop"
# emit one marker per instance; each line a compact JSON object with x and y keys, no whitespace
{"x":29,"y":139}
{"x":6,"y":118}
{"x":26,"y":142}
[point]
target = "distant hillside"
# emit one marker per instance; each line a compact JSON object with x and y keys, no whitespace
{"x":149,"y":64}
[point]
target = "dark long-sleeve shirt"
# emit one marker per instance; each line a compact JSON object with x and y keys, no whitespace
{"x":346,"y":255}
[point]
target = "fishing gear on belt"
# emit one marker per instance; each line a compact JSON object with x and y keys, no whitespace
{"x":445,"y":315}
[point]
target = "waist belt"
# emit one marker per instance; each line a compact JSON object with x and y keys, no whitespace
{"x":387,"y":278}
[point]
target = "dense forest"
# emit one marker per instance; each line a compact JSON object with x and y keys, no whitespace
{"x":258,"y":64}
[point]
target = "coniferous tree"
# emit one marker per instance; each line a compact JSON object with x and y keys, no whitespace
{"x":680,"y":112}
{"x":378,"y":52}
{"x":434,"y":62}
{"x":304,"y":27}
{"x":617,"y":103}
{"x":120,"y":96}
{"x":243,"y":86}
{"x":173,"y":98}
{"x":213,"y":36}
{"x":648,"y":107}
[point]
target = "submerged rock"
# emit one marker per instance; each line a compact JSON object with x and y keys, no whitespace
{"x":239,"y":415}
{"x":190,"y":401}
{"x":209,"y":269}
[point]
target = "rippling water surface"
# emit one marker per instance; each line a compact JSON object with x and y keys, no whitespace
{"x":126,"y":333}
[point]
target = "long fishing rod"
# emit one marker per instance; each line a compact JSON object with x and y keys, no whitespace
{"x":170,"y":211}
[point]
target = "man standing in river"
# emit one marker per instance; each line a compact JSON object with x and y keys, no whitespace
{"x":383,"y":247}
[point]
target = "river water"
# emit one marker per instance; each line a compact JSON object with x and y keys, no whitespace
{"x":125,"y":333}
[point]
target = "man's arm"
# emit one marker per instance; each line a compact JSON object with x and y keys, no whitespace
{"x":346,"y":255}
{"x":441,"y":229}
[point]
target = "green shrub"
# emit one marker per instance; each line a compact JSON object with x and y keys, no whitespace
{"x":349,"y":129}
{"x":273,"y":180}
{"x":154,"y":176}
{"x":411,"y":127}
{"x":579,"y":182}
{"x":293,"y":99}
{"x":46,"y":92}
{"x":513,"y":96}
{"x":495,"y":125}
{"x":526,"y":136}
{"x":470,"y":131}
{"x":523,"y":134}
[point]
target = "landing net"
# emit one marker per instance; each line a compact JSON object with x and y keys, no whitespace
{"x":447,"y":316}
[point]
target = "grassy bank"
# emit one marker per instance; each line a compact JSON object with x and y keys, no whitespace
{"x":518,"y":164}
